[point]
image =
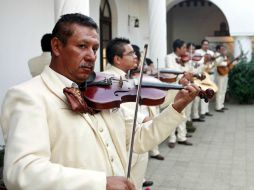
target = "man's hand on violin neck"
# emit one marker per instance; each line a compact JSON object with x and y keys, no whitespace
{"x":188,"y":76}
{"x":184,"y":97}
{"x":119,"y":183}
{"x":183,"y":81}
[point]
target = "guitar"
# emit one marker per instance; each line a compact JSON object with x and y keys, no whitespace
{"x":224,"y":70}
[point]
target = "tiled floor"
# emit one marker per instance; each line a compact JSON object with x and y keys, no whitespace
{"x":222,"y":157}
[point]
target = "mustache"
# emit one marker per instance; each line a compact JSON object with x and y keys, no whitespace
{"x":86,"y":65}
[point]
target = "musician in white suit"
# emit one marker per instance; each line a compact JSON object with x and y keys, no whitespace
{"x":221,"y":79}
{"x":120,"y":67}
{"x":179,"y":50}
{"x":37,"y":64}
{"x":49,"y":146}
{"x":208,"y":66}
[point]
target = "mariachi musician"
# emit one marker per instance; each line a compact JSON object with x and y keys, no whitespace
{"x":223,"y":67}
{"x":174,"y":61}
{"x":50,"y":145}
{"x":207,"y":65}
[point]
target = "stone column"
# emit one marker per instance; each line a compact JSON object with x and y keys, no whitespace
{"x":157,"y":30}
{"x":70,"y":6}
{"x":243,"y":43}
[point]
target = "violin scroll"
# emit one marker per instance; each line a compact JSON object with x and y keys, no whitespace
{"x":207,"y":94}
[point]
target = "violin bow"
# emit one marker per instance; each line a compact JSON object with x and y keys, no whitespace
{"x":136,"y":112}
{"x":158,"y":73}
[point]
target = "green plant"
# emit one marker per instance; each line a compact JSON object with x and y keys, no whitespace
{"x":241,"y":82}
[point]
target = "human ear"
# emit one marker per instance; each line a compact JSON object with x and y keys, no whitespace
{"x":56,"y":46}
{"x":117,"y":60}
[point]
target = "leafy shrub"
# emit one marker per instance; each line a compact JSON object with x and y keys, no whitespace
{"x":241,"y":82}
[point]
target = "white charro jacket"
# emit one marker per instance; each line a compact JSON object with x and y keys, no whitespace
{"x":50,"y":147}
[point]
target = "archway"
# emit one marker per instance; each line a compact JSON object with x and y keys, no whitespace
{"x":194,"y":20}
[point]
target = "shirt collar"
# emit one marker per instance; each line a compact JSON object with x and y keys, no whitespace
{"x":119,"y":71}
{"x":67,"y":82}
{"x":175,"y":55}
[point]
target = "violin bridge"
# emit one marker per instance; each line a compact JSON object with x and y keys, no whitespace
{"x":120,"y":82}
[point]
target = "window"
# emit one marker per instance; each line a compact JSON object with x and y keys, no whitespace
{"x":105,"y":31}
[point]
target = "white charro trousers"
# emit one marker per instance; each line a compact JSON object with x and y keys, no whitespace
{"x":181,"y":132}
{"x":155,"y":151}
{"x":222,"y":82}
{"x":138,"y":168}
{"x":195,"y":108}
{"x":188,"y":111}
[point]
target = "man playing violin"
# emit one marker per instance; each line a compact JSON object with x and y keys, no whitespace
{"x":119,"y":68}
{"x":207,"y":65}
{"x":179,"y":49}
{"x":49,"y":146}
{"x":191,"y":66}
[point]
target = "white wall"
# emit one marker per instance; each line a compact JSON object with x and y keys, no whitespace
{"x":120,"y":9}
{"x":21,"y":30}
{"x":138,"y":9}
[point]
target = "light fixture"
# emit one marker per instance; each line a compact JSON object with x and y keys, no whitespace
{"x":133,"y":20}
{"x":136,"y":23}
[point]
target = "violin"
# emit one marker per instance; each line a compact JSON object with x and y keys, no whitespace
{"x":200,"y":76}
{"x":167,"y":77}
{"x":170,"y":76}
{"x":107,"y":92}
{"x":186,"y":58}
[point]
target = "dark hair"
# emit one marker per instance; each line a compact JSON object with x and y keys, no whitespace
{"x":190,"y":44}
{"x":203,"y":41}
{"x":149,"y":61}
{"x":46,"y":42}
{"x":136,"y":50}
{"x":116,"y":48}
{"x":62,"y":29}
{"x":177,"y":44}
{"x":218,"y":47}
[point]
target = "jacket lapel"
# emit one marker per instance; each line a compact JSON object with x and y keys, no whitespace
{"x":56,"y":86}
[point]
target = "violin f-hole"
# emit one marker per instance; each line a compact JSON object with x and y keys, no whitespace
{"x":120,"y":91}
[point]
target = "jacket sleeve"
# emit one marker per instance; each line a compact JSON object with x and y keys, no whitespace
{"x":152,"y":133}
{"x":27,"y":163}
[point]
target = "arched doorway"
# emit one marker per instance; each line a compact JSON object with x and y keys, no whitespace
{"x":105,"y":31}
{"x":194,"y":20}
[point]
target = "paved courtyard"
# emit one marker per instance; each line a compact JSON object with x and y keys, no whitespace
{"x":222,"y":157}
